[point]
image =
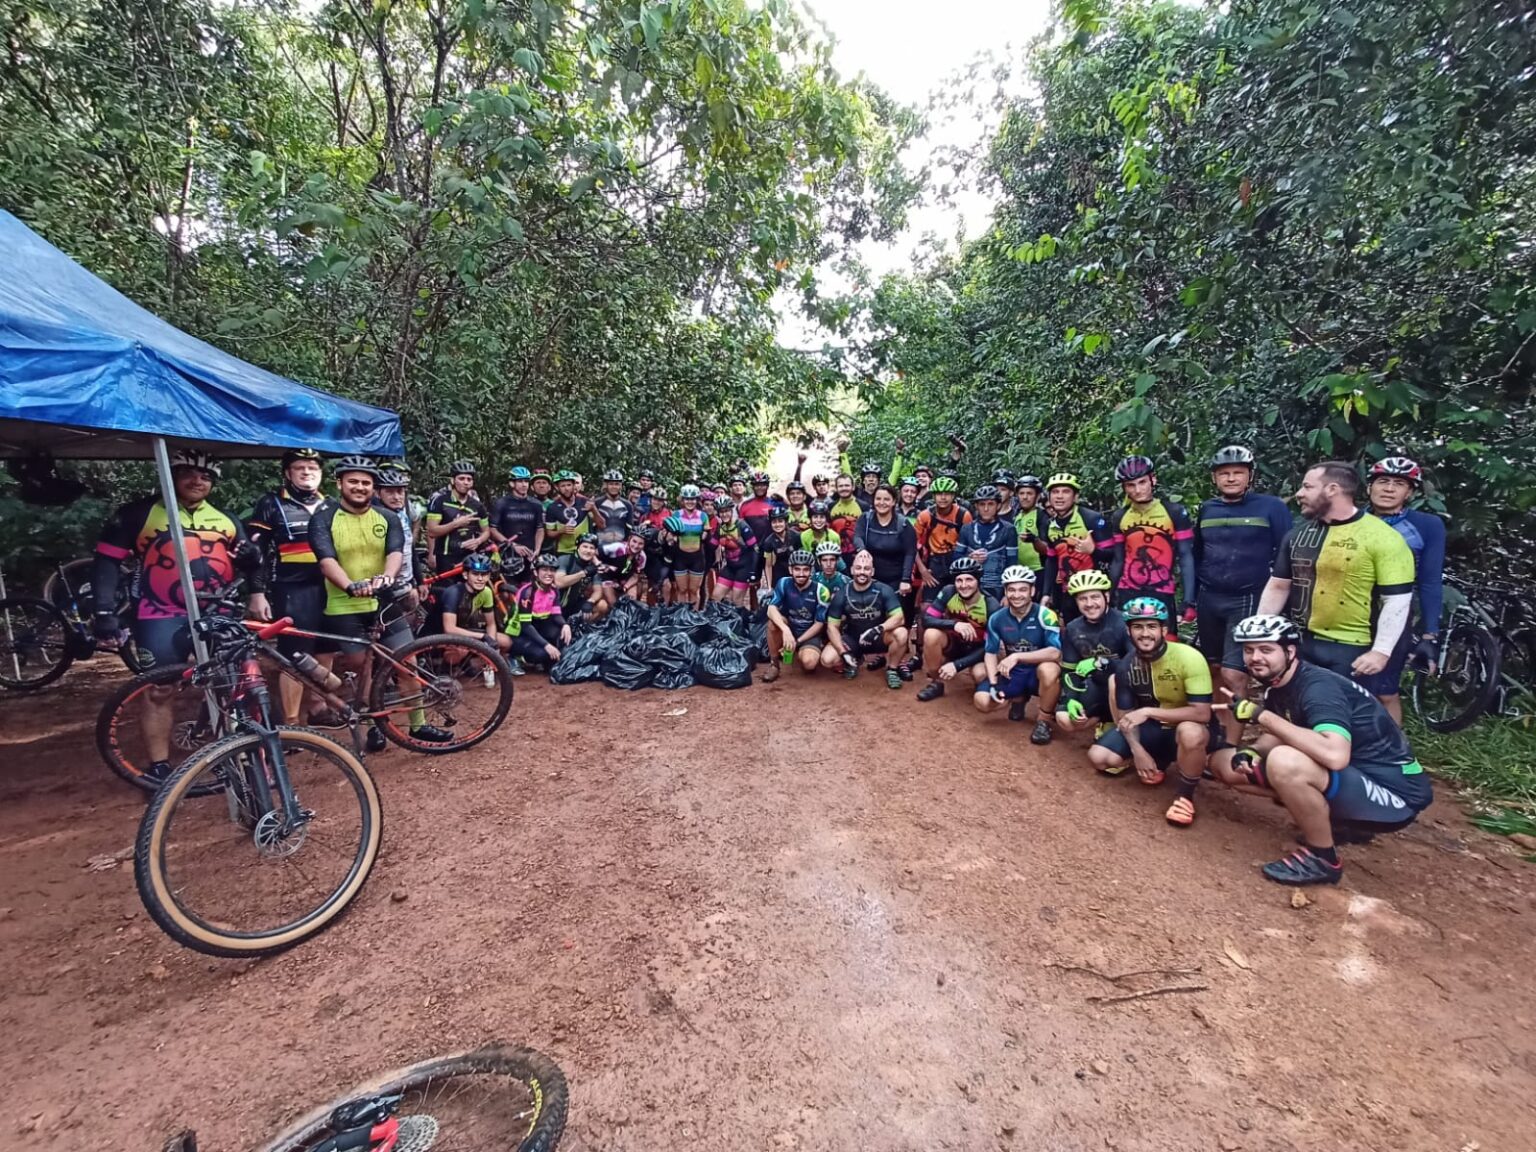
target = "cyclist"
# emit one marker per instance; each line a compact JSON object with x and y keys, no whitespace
{"x":756,"y":509}
{"x":646,"y":481}
{"x":1393,"y":483}
{"x":821,"y":488}
{"x":1029,"y":522}
{"x":626,"y":575}
{"x":955,"y":628}
{"x":1076,"y":537}
{"x":1162,"y":704}
{"x":615,"y":512}
{"x":819,"y":531}
{"x":1091,"y":643}
{"x":884,"y":533}
{"x":658,"y":548}
{"x":828,"y":557}
{"x":517,"y":517}
{"x":844,"y":514}
{"x":579,"y":581}
{"x":906,"y":500}
{"x":870,"y":478}
{"x":1237,"y":535}
{"x":217,"y":549}
{"x":1155,"y":539}
{"x":990,"y":542}
{"x":390,"y":494}
{"x":541,"y":485}
{"x":569,"y":515}
{"x":797,"y":618}
{"x":688,"y":529}
{"x":735,"y":554}
{"x":938,"y":533}
{"x":288,"y":581}
{"x":864,"y":620}
{"x":774,"y":548}
{"x":1327,"y":750}
{"x":457,"y":523}
{"x":468,"y":606}
{"x":536,"y":625}
{"x":1002,"y":480}
{"x":1345,"y":577}
{"x":1022,"y":655}
{"x":923,"y":474}
{"x":799,"y":511}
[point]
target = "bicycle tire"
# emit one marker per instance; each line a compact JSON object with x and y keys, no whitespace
{"x":114,"y":711}
{"x":188,"y":930}
{"x":32,"y":607}
{"x":541,"y":1074}
{"x":1484,"y":654}
{"x":80,"y":572}
{"x":378,"y":702}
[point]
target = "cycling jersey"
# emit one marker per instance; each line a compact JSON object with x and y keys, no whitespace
{"x":360,"y":543}
{"x":1060,"y":531}
{"x":855,"y":611}
{"x":1031,"y":526}
{"x":518,"y":518}
{"x":810,"y":538}
{"x":893,"y":546}
{"x":1236,"y":542}
{"x":834,"y":583}
{"x":463,"y":604}
{"x":998,"y":540}
{"x":1425,"y":536}
{"x":142,"y":529}
{"x":939,"y":532}
{"x":775,"y":550}
{"x":533,"y":604}
{"x":1038,"y":628}
{"x":735,"y":541}
{"x":690,"y":528}
{"x":618,"y":514}
{"x":1157,"y":538}
{"x":798,"y":520}
{"x":279,"y":526}
{"x":572,"y":596}
{"x":1108,"y":639}
{"x":1324,"y":701}
{"x":947,"y":609}
{"x":559,"y":517}
{"x":1178,"y":677}
{"x":1339,"y":572}
{"x":800,"y":607}
{"x":445,"y":506}
{"x":843,"y":519}
{"x":756,"y":510}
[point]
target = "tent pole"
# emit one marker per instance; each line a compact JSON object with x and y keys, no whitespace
{"x":179,"y":545}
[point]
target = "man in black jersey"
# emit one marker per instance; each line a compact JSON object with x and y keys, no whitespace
{"x":517,"y":519}
{"x":1328,"y":750}
{"x":864,"y":620}
{"x":1091,"y":643}
{"x":457,"y":523}
{"x":618,"y":514}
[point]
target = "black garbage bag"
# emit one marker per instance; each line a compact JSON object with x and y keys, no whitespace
{"x":760,"y":639}
{"x":663,"y":651}
{"x":628,"y":618}
{"x":723,"y":664}
{"x":671,"y":679}
{"x":680,"y":618}
{"x":621,"y":670}
{"x":581,"y":661}
{"x":730,"y":619}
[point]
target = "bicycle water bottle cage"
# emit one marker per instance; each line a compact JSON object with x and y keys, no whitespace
{"x":368,"y":1111}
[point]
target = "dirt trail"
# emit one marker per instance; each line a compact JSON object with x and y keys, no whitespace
{"x":808,"y":916}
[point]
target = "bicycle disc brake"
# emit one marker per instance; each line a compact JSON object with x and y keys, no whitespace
{"x":275,"y":838}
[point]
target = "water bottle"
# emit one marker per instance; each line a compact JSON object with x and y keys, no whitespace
{"x":488,"y":677}
{"x":315,"y":672}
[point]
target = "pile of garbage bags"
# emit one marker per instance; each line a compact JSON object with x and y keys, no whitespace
{"x":666,"y":646}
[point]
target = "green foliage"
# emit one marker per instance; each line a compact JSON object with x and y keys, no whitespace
{"x":1307,"y":226}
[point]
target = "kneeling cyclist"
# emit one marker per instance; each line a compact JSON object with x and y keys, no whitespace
{"x":1328,"y":750}
{"x":1162,"y":704}
{"x":864,"y":620}
{"x":534,"y":622}
{"x":468,"y":606}
{"x":797,"y":619}
{"x":954,"y":629}
{"x":1090,"y":645}
{"x":1022,"y":654}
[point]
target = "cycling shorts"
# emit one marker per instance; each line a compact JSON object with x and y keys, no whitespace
{"x":1215,"y":617}
{"x":305,"y":603}
{"x":739,"y":575}
{"x":938,"y":566}
{"x":1022,"y":683}
{"x":1159,"y":741}
{"x":1354,"y":797}
{"x":161,"y":641}
{"x":529,"y":643}
{"x":1389,"y":681}
{"x":689,"y":563}
{"x":1090,"y":691}
{"x":1331,"y":654}
{"x":851,"y":643}
{"x":954,"y":647}
{"x":354,"y":632}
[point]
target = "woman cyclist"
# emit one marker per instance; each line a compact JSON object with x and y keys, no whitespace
{"x":689,"y":528}
{"x":735,"y":554}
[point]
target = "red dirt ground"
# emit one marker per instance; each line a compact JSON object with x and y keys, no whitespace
{"x":812,"y":915}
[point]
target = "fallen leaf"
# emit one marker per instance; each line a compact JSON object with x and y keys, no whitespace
{"x":676,"y":712}
{"x":1299,"y":899}
{"x":1524,"y":841}
{"x":1235,"y":956}
{"x":101,"y":863}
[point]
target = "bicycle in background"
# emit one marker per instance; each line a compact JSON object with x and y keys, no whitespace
{"x":1486,"y":662}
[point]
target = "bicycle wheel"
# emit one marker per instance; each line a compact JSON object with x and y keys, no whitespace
{"x":494,"y":1097}
{"x":221,"y":877}
{"x":1464,"y":686}
{"x":446,"y":688}
{"x":120,"y":736}
{"x":79,"y":575}
{"x":34,"y":643}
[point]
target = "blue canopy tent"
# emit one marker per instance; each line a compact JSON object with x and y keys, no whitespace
{"x":86,"y":373}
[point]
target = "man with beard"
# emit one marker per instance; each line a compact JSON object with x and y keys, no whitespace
{"x":1091,"y":644}
{"x":569,"y":515}
{"x":799,"y":519}
{"x":864,"y":620}
{"x":844,"y":515}
{"x":1029,"y":522}
{"x":955,"y":628}
{"x":457,"y":523}
{"x":1162,"y":704}
{"x":797,"y":616}
{"x":1346,"y":578}
{"x":1023,"y":653}
{"x":517,"y":519}
{"x":1077,"y":538}
{"x":1327,"y":750}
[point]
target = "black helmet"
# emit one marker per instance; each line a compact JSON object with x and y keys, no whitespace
{"x":1003,"y":478}
{"x":461,"y":468}
{"x":645,"y":530}
{"x":392,"y":478}
{"x":724,"y":504}
{"x":965,"y":565}
{"x":587,"y":538}
{"x":196,"y":458}
{"x":1028,"y":481}
{"x":1134,"y":468}
{"x":513,"y":565}
{"x":478,"y":563}
{"x":820,"y":508}
{"x":613,"y":474}
{"x":778,"y":512}
{"x":355,"y":464}
{"x":647,"y":474}
{"x":1232,"y":454}
{"x":547,"y":560}
{"x":294,"y":455}
{"x":794,"y":486}
{"x":801,"y":556}
{"x":870,"y":469}
{"x":985,"y":492}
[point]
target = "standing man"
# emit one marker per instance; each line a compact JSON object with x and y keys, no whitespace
{"x":457,"y":523}
{"x":1029,"y":522}
{"x":989,"y":541}
{"x":1238,"y":534}
{"x":844,"y":515}
{"x":1155,"y":540}
{"x":938,"y":533}
{"x":1393,"y":483}
{"x":1346,"y":578}
{"x":864,"y":620}
{"x":1077,"y":538}
{"x":1022,"y":655}
{"x":569,"y":515}
{"x":288,"y":581}
{"x":517,"y":518}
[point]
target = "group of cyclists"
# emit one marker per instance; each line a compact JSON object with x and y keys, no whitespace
{"x":1018,"y":591}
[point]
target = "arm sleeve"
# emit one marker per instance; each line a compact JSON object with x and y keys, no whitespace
{"x":933,"y":613}
{"x":895,"y":477}
{"x":1395,"y":610}
{"x":972,"y":658}
{"x":799,"y":467}
{"x":837,"y":607}
{"x":1431,"y":576}
{"x":1105,"y":541}
{"x":1184,"y":540}
{"x":258,"y":530}
{"x":1069,"y":652}
{"x":320,"y":541}
{"x":842,"y":463}
{"x":908,"y":552}
{"x":394,"y":534}
{"x":1006,"y":541}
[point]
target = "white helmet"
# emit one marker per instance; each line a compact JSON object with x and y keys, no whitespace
{"x":1266,"y":629}
{"x":1018,"y":574}
{"x":688,"y":492}
{"x":195,"y":458}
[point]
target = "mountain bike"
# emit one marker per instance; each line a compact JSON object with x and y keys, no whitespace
{"x":40,"y":637}
{"x":261,"y":839}
{"x":460,"y":686}
{"x":1486,"y":662}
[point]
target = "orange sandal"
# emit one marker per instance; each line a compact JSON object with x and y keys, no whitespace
{"x":1152,"y":781}
{"x":1181,"y":813}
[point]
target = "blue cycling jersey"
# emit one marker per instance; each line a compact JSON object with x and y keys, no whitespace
{"x":1236,"y":542}
{"x":1039,"y":627}
{"x":1424,"y":533}
{"x":800,"y":607}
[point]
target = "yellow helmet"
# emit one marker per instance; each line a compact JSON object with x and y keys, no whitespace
{"x":1090,"y":580}
{"x":1064,"y":479}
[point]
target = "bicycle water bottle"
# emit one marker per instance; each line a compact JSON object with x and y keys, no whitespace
{"x":315,"y":672}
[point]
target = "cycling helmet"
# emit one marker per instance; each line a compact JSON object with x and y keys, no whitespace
{"x":196,"y":458}
{"x":923,"y":468}
{"x":478,"y":563}
{"x":1091,"y":580}
{"x":563,"y":475}
{"x":870,"y":469}
{"x":778,"y":512}
{"x":391,"y":478}
{"x":645,"y":530}
{"x":828,"y":548}
{"x":1014,"y":574}
{"x":1065,"y":480}
{"x":910,"y":482}
{"x":819,"y":479}
{"x":1003,"y":478}
{"x":1134,"y":468}
{"x":688,"y":492}
{"x":1266,"y":629}
{"x":587,"y":538}
{"x":724,"y":504}
{"x":542,"y":474}
{"x":613,"y":474}
{"x":647,"y":474}
{"x":944,"y":484}
{"x":355,"y":464}
{"x":951,"y":473}
{"x":294,"y":455}
{"x":521,"y":473}
{"x":513,"y":566}
{"x":1399,"y":466}
{"x":738,"y":478}
{"x":1232,"y":454}
{"x":1145,"y":608}
{"x":759,"y":477}
{"x":462,"y":468}
{"x":794,"y":486}
{"x":658,"y":495}
{"x":801,"y":556}
{"x":821,"y":508}
{"x":547,"y":560}
{"x":986,"y":492}
{"x":1028,"y":481}
{"x":965,"y":565}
